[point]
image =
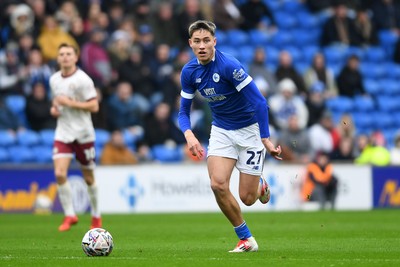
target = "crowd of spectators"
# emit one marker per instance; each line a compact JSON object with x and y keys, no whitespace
{"x":134,"y":51}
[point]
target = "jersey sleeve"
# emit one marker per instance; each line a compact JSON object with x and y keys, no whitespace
{"x":237,"y":74}
{"x":187,"y":95}
{"x":88,"y":89}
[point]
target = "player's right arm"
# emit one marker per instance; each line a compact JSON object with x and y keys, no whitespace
{"x":187,"y":95}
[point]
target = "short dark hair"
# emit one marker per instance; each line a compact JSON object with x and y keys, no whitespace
{"x":202,"y":24}
{"x":76,"y":50}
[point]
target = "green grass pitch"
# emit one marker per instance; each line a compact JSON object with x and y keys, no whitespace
{"x":346,"y":238}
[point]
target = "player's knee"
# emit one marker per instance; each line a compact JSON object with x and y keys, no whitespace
{"x":219,"y":188}
{"x":61,"y":175}
{"x":247,"y":199}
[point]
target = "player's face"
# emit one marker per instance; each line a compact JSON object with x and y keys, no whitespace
{"x":202,"y":44}
{"x":67,"y":57}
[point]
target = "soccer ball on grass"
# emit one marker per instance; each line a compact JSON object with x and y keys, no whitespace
{"x":97,"y":242}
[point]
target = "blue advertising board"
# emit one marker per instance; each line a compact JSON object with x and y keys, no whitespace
{"x":30,"y":190}
{"x":386,"y":187}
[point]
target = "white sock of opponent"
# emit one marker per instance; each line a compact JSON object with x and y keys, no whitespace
{"x":93,"y":196}
{"x":65,"y":195}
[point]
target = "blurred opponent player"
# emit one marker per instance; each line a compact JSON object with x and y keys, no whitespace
{"x":239,"y":133}
{"x":74,"y":98}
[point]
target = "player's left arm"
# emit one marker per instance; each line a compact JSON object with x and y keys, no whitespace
{"x":253,"y":95}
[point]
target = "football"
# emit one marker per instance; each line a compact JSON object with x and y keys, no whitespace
{"x":97,"y":242}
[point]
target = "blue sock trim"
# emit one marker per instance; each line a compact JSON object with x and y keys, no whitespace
{"x":242,"y":231}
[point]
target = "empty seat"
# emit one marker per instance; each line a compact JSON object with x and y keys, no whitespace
{"x":47,"y":137}
{"x":42,"y":154}
{"x":6,"y":138}
{"x":221,"y":37}
{"x":362,"y":103}
{"x":28,"y":138}
{"x":371,"y":86}
{"x":102,"y":137}
{"x":4,"y":155}
{"x":340,"y":104}
{"x":21,"y":154}
{"x":388,"y":103}
{"x":383,"y":120}
{"x":246,"y":54}
{"x":282,"y":38}
{"x":237,"y":37}
{"x":258,"y":37}
{"x":363,"y":121}
{"x":334,"y":55}
{"x":375,"y":55}
{"x":17,"y":103}
{"x":307,"y":21}
{"x":390,"y":87}
{"x":285,"y":21}
{"x":164,"y":153}
{"x":372,"y":70}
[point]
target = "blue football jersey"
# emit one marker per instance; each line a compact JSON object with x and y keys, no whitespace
{"x":220,"y":82}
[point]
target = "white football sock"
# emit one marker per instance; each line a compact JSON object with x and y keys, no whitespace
{"x":93,"y":196}
{"x":65,"y":195}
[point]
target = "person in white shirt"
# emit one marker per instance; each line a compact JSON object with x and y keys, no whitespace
{"x":74,"y":99}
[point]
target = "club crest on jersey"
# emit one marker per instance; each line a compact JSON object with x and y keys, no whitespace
{"x":216,"y":77}
{"x":239,"y":75}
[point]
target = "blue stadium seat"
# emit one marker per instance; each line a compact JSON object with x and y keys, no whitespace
{"x":272,"y":55}
{"x":383,"y":120}
{"x":295,"y":52}
{"x":387,"y":40}
{"x":340,"y":104}
{"x":4,"y":155}
{"x":28,"y":138}
{"x":285,"y":21}
{"x":303,"y":38}
{"x":228,"y":49}
{"x":165,"y":154}
{"x":17,"y":103}
{"x":390,"y":87}
{"x":47,"y":137}
{"x":221,"y":37}
{"x":21,"y":154}
{"x":372,"y":70}
{"x":282,"y":38}
{"x":237,"y":38}
{"x":387,"y":103}
{"x":372,"y":86}
{"x":307,"y":21}
{"x":309,"y":53}
{"x":392,"y":70}
{"x":7,"y":138}
{"x":293,"y":7}
{"x":375,"y":55}
{"x":363,"y":122}
{"x":259,"y":38}
{"x":246,"y":54}
{"x":364,"y":104}
{"x":102,"y":137}
{"x":42,"y":154}
{"x":334,"y":55}
{"x":358,"y":51}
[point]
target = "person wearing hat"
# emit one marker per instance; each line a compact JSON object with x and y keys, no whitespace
{"x":286,"y":103}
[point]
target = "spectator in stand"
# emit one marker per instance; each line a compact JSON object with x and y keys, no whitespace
{"x":51,"y":37}
{"x":11,"y":72}
{"x":162,"y":65}
{"x":163,"y":21}
{"x":188,"y":13}
{"x":91,"y":18}
{"x":37,"y":109}
{"x":345,"y":151}
{"x":286,"y":69}
{"x":77,"y":31}
{"x":318,"y":6}
{"x":40,"y":9}
{"x":320,"y":72}
{"x":226,"y":15}
{"x":146,"y":43}
{"x":259,"y":71}
{"x":395,"y":151}
{"x":118,"y":48}
{"x":350,"y":80}
{"x":366,"y":29}
{"x":287,"y":103}
{"x":94,"y":58}
{"x":323,"y":135}
{"x":346,"y":127}
{"x":171,"y":87}
{"x":36,"y":71}
{"x":116,"y":152}
{"x":255,"y":13}
{"x":160,"y":129}
{"x":65,"y":14}
{"x":295,"y":142}
{"x":386,"y":15}
{"x":138,"y":73}
{"x":372,"y":150}
{"x":126,"y":109}
{"x":25,"y":44}
{"x":116,"y":13}
{"x":315,"y":103}
{"x":320,"y":182}
{"x":340,"y":28}
{"x":396,"y":53}
{"x":21,"y":21}
{"x":142,"y":13}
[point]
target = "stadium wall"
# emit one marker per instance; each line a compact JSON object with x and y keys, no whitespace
{"x":185,"y":188}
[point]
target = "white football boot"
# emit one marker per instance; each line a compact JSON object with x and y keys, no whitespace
{"x":246,"y":245}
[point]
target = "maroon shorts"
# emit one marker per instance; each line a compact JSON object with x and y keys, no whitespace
{"x":84,"y":153}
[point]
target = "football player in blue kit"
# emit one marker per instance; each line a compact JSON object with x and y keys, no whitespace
{"x":239,"y":133}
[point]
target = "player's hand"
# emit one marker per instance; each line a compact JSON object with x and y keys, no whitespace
{"x":63,"y":100}
{"x":54,"y":111}
{"x":194,"y":145}
{"x":272,"y":150}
